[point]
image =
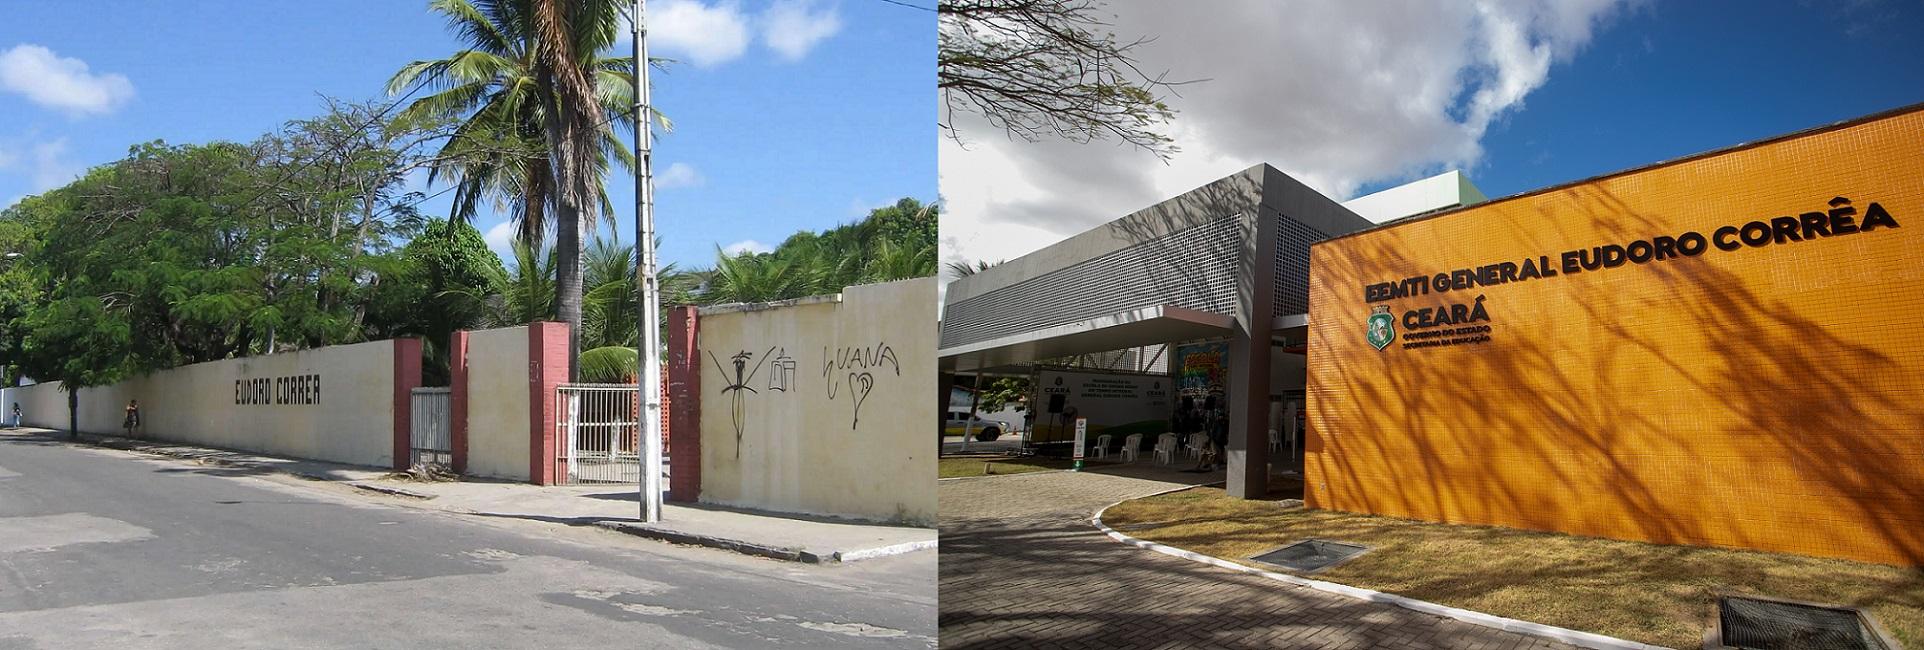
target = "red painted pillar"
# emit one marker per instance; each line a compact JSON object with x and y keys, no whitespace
{"x":683,"y":403}
{"x":458,"y":399}
{"x":407,"y":377}
{"x":667,"y":402}
{"x":547,"y":369}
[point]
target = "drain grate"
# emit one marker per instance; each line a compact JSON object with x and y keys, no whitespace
{"x":1311,"y":555}
{"x":1778,"y":625}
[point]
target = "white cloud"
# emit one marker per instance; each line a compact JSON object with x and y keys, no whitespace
{"x":500,"y":238}
{"x":793,"y":27}
{"x":45,"y":164}
{"x":747,"y":246}
{"x":679,"y":175}
{"x":65,"y":84}
{"x":705,"y":35}
{"x":1336,"y":95}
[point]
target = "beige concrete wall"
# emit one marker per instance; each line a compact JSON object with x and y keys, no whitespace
{"x":848,"y":429}
{"x":498,"y":413}
{"x":353,"y":421}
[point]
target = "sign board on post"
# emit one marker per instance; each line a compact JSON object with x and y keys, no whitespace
{"x":1082,"y":435}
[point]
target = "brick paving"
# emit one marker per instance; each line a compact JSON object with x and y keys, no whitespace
{"x":1021,"y":567}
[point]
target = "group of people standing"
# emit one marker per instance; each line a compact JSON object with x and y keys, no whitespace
{"x":1209,"y":417}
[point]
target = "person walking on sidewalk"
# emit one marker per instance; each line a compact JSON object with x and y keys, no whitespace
{"x":132,"y":424}
{"x":16,"y":415}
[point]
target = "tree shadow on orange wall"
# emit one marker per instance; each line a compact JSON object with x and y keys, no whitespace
{"x":1678,"y":401}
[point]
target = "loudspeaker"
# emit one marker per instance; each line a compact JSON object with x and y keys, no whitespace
{"x":1056,"y":401}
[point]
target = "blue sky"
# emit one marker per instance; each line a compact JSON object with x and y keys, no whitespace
{"x":790,"y":114}
{"x":1353,"y":97}
{"x":1676,"y":78}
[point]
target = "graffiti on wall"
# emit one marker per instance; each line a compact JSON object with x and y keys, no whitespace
{"x":738,"y":386}
{"x":781,"y":372}
{"x":853,"y":370}
{"x":850,"y":372}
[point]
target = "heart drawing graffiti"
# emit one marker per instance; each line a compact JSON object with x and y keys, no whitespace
{"x":859,"y":365}
{"x":859,"y":385}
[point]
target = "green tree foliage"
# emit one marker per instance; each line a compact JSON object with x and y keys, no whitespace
{"x":452,"y":255}
{"x":430,"y":290}
{"x":609,"y":365}
{"x":186,"y":253}
{"x":893,"y":243}
{"x":168,"y":244}
{"x":1002,"y":393}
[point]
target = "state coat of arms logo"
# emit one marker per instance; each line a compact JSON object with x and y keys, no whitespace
{"x":1382,"y":327}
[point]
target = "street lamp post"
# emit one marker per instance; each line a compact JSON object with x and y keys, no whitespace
{"x":649,"y":352}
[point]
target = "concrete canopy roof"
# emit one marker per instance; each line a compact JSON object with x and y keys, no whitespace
{"x":1136,"y":327}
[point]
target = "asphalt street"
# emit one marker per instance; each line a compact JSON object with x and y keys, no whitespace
{"x":104,"y":548}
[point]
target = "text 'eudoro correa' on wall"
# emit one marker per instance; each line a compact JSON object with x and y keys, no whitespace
{"x":293,"y":389}
{"x":1840,"y":219}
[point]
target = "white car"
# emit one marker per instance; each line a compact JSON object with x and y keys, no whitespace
{"x":985,"y":430}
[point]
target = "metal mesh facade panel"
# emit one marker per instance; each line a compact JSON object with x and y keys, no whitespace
{"x":1193,"y":269}
{"x":1292,"y":266}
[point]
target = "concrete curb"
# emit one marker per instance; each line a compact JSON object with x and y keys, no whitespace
{"x":885,"y":551}
{"x":738,"y":546}
{"x":1551,"y":632}
{"x":784,"y":553}
{"x":390,"y":490}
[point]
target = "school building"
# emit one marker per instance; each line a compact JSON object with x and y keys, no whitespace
{"x":1725,"y":349}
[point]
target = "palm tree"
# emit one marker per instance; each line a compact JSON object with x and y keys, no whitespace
{"x":537,"y":105}
{"x":530,"y":291}
{"x":893,"y":261}
{"x":963,"y":269}
{"x":608,"y":302}
{"x":750,"y":277}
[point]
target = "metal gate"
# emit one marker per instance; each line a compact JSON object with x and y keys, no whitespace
{"x":430,"y":432}
{"x":598,"y":426}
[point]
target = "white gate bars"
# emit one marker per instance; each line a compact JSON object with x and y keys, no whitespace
{"x":430,"y":431}
{"x":598,"y":426}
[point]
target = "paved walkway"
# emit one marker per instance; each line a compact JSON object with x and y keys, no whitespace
{"x":1022,"y":567}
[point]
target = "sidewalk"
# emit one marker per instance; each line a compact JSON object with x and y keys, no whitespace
{"x":617,"y":507}
{"x":614,"y":506}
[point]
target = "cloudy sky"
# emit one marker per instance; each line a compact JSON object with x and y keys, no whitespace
{"x":1352,"y":97}
{"x":789,"y":114}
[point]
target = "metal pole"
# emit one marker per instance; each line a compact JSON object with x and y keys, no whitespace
{"x":975,"y":399}
{"x":649,"y":351}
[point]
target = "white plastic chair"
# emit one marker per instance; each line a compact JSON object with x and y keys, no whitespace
{"x":1196,"y":443}
{"x":1101,"y":449}
{"x":1132,"y":447}
{"x":1275,"y":440}
{"x":1166,"y":449}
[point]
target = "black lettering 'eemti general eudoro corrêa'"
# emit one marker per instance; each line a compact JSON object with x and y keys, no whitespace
{"x":1840,"y":219}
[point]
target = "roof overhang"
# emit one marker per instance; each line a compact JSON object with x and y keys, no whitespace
{"x":1136,"y":327}
{"x":1290,"y":332}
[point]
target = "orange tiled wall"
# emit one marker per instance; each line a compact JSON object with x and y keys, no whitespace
{"x":1768,"y":397}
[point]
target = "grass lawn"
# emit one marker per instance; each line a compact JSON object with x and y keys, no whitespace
{"x":982,"y":466}
{"x":1652,"y":593}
